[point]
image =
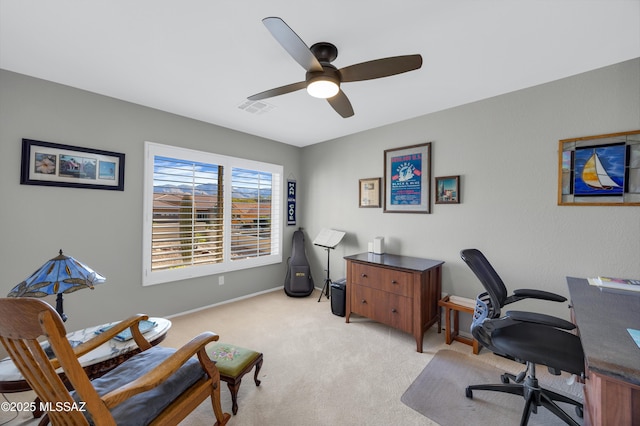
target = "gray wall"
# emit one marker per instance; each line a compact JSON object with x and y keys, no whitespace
{"x":505,"y":150}
{"x":104,"y":228}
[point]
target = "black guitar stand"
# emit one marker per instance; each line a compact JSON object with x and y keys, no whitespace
{"x":327,"y":281}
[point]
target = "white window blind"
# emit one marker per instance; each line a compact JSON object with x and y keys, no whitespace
{"x":187,"y":213}
{"x":252,"y":217}
{"x":206,"y":213}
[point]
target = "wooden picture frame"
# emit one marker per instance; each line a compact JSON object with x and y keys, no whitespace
{"x":407,"y":179}
{"x":448,"y":190}
{"x":601,"y":170}
{"x":369,"y":193}
{"x":54,"y":164}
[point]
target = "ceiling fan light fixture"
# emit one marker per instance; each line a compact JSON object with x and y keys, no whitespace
{"x":323,"y":87}
{"x":323,"y":79}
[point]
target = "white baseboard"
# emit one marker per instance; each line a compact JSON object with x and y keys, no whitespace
{"x":248,"y":296}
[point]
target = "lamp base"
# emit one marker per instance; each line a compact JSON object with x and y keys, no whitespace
{"x":59,"y":307}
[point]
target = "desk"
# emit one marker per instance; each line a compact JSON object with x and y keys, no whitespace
{"x":96,"y":363}
{"x":612,"y":386}
{"x":399,"y":291}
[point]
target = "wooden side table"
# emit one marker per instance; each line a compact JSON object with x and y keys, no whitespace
{"x":451,"y":335}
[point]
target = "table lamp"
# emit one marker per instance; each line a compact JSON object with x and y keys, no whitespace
{"x":62,"y":274}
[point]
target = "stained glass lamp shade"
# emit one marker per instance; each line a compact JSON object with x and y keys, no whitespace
{"x":62,"y":274}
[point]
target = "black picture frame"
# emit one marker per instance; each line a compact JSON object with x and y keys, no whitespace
{"x":55,"y":164}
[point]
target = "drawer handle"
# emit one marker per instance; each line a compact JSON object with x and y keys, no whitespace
{"x":363,"y":275}
{"x":394,"y":310}
{"x":394,"y":282}
{"x":363,"y":301}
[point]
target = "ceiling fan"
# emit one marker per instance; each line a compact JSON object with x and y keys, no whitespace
{"x":323,"y":80}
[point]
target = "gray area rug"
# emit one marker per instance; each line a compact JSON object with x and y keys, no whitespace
{"x":439,"y":393}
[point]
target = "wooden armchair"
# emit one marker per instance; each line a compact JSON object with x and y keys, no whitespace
{"x":159,"y":386}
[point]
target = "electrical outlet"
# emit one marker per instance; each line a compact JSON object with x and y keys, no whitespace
{"x":221,"y":280}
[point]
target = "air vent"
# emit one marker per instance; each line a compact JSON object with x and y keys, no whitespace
{"x":256,"y":107}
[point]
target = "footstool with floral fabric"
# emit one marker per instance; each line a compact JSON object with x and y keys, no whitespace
{"x":233,"y":362}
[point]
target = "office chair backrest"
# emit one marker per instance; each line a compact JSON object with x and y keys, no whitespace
{"x":489,"y":278}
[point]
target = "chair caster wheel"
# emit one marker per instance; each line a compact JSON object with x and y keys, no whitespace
{"x":469,"y":393}
{"x":579,"y":411}
{"x":504,"y":379}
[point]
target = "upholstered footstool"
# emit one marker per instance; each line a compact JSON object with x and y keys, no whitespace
{"x":233,"y":362}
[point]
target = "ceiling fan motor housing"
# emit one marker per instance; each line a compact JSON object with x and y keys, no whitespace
{"x":325,"y":52}
{"x":329,"y":72}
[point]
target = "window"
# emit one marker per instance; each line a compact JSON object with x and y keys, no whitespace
{"x":206,"y":214}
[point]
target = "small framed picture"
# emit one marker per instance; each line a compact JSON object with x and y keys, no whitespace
{"x":448,"y":190}
{"x":370,"y":192}
{"x":54,"y":164}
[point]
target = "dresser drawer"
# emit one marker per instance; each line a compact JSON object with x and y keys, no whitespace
{"x":363,"y":301}
{"x":390,"y":309}
{"x":389,"y":280}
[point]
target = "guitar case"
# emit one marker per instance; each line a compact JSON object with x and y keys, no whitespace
{"x":298,"y":281}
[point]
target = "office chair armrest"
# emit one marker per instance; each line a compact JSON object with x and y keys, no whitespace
{"x":543,"y":319}
{"x":527,"y":293}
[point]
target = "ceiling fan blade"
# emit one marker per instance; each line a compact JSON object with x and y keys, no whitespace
{"x":341,"y":104}
{"x":292,"y":43}
{"x":380,"y":68}
{"x":278,"y":91}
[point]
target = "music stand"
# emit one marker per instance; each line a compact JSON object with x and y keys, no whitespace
{"x":328,"y":239}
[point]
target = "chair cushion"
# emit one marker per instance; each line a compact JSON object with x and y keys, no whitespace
{"x":231,"y":359}
{"x":144,"y":407}
{"x":542,"y":345}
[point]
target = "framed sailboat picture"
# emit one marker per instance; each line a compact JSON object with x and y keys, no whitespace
{"x":600,"y":170}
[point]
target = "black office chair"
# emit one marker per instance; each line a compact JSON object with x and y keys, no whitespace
{"x":529,"y":338}
{"x":493,"y":284}
{"x":495,"y":287}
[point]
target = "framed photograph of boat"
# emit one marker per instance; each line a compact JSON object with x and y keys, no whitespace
{"x":602,"y":170}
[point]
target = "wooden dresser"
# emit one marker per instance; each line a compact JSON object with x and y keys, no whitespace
{"x":398,"y":291}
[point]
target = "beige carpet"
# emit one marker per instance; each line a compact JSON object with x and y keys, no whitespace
{"x":439,"y":391}
{"x":317,"y":370}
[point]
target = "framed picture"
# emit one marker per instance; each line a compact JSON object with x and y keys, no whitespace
{"x":448,"y":190}
{"x":53,"y":164}
{"x":407,"y":179}
{"x":369,"y":193}
{"x":602,"y":170}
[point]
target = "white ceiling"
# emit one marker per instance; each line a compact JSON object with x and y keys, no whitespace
{"x":202,"y":58}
